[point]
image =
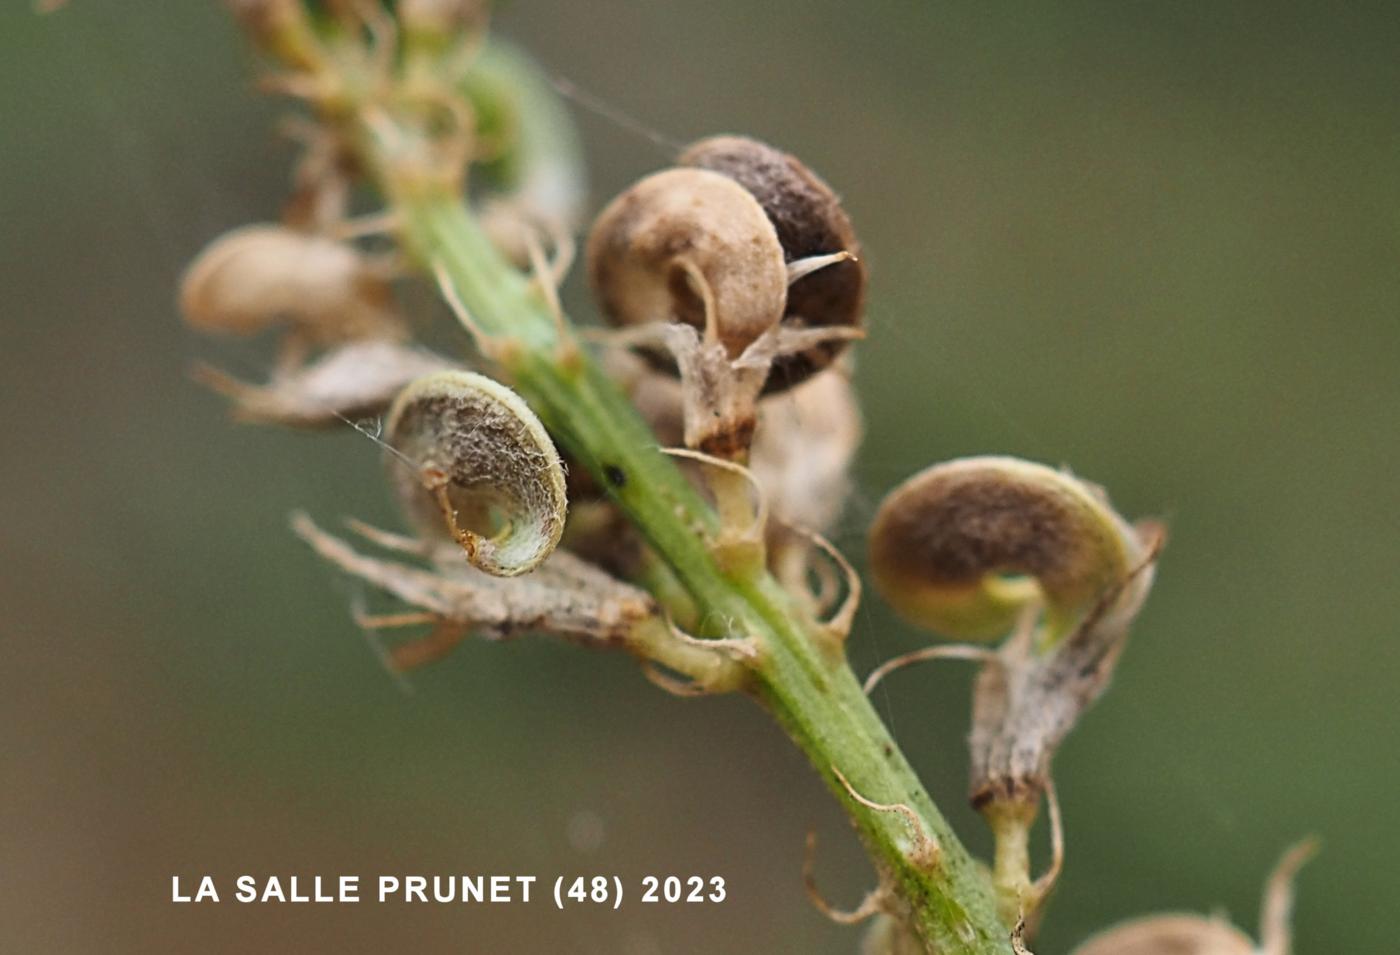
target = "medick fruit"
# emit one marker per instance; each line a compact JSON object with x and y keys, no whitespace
{"x":982,"y":548}
{"x":691,"y":246}
{"x":964,"y":547}
{"x":703,"y":262}
{"x":468,"y":454}
{"x":812,"y":226}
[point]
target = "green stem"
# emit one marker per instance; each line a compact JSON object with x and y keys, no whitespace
{"x":800,"y":673}
{"x":804,"y":681}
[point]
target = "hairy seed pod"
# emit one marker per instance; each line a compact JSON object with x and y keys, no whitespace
{"x":471,"y":455}
{"x":691,"y":246}
{"x":809,"y":221}
{"x":251,"y":278}
{"x":944,"y":542}
{"x":1169,"y":935}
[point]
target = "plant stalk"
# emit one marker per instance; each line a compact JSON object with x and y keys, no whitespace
{"x":812,"y":692}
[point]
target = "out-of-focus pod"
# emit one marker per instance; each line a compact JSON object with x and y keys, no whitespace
{"x":258,"y":276}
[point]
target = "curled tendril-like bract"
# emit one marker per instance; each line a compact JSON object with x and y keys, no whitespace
{"x":963,"y":548}
{"x":472,"y":462}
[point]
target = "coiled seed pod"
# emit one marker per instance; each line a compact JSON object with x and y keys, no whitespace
{"x":983,"y":548}
{"x":962,"y":547}
{"x":809,"y":221}
{"x":691,"y":246}
{"x":471,"y":455}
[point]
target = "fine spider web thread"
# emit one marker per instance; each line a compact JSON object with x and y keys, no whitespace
{"x":619,"y":117}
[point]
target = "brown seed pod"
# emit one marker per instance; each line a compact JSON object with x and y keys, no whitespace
{"x":1170,"y":935}
{"x":692,"y":246}
{"x":249,"y":279}
{"x":962,"y":547}
{"x":471,"y":462}
{"x":809,"y":221}
{"x":992,"y":547}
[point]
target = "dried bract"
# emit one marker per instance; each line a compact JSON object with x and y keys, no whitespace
{"x":810,"y":222}
{"x":351,"y":381}
{"x":565,"y":595}
{"x":690,"y":246}
{"x":472,"y":463}
{"x":803,"y":447}
{"x":254,"y":277}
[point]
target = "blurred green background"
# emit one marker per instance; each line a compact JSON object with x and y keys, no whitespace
{"x":1157,"y":242}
